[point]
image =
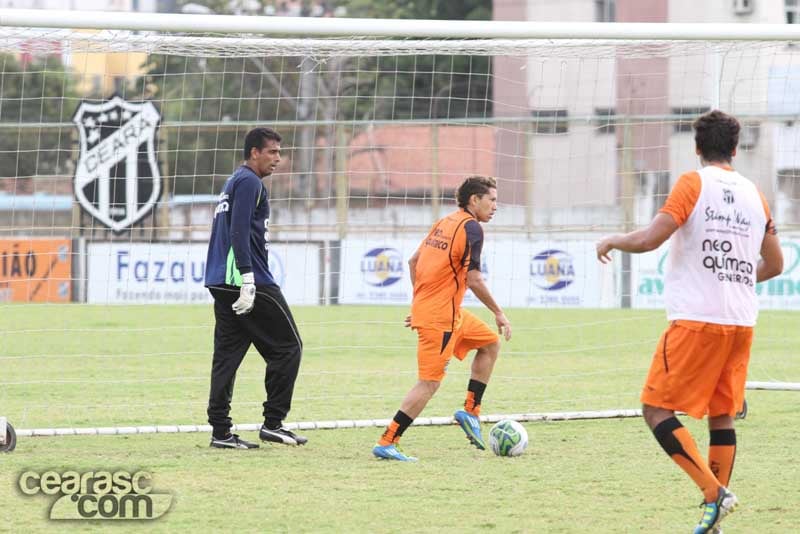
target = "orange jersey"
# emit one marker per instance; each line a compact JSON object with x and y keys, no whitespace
{"x":451,"y":248}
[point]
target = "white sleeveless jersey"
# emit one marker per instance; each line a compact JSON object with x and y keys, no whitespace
{"x":713,"y":256}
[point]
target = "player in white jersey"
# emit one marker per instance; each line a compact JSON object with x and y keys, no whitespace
{"x":723,"y":243}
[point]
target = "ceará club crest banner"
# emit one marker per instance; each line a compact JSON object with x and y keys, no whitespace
{"x":117,"y":180}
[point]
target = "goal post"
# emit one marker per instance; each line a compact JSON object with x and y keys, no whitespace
{"x":118,"y":131}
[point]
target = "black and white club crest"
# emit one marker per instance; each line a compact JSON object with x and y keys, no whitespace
{"x":727,"y":196}
{"x":117,"y":179}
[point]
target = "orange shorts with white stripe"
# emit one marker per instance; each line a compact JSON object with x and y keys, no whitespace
{"x":699,"y":368}
{"x":435,"y":347}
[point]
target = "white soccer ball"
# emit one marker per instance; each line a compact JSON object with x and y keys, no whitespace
{"x":508,"y":438}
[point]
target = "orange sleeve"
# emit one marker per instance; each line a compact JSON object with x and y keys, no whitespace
{"x":683,"y":197}
{"x":770,"y":228}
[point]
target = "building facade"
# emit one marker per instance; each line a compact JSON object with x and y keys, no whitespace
{"x":619,"y":126}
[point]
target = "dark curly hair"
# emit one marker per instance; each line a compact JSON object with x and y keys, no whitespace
{"x":716,"y":135}
{"x":474,"y":185}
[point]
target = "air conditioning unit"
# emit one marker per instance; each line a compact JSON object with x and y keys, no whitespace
{"x":748,"y":135}
{"x":743,"y":7}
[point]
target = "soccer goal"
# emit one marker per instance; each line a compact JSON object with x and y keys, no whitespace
{"x":118,"y":131}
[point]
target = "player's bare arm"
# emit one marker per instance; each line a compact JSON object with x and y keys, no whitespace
{"x":476,"y":283}
{"x":644,"y":240}
{"x":771,"y":262}
{"x":412,"y":269}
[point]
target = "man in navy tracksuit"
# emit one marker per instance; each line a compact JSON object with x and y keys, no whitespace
{"x":248,"y":305}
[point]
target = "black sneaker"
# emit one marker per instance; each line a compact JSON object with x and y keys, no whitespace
{"x":281,"y":435}
{"x":232,"y":442}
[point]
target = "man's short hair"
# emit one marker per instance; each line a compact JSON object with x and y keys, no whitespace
{"x":257,"y":138}
{"x":474,"y":185}
{"x":716,"y":135}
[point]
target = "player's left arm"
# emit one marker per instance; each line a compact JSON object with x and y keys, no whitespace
{"x":475,"y":279}
{"x":412,"y":273}
{"x":659,"y":230}
{"x":412,"y":266}
{"x":478,"y":286}
{"x":771,"y":263}
{"x":243,"y":205}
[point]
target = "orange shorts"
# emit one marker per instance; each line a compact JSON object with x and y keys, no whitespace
{"x":435,"y":347}
{"x":699,"y":368}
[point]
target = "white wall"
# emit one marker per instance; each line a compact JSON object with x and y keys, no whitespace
{"x":740,"y":78}
{"x":575,"y":170}
{"x":765,"y":11}
{"x":561,"y":10}
{"x":82,"y":5}
{"x":578,"y":168}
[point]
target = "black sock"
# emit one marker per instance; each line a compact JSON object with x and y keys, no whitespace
{"x":221,"y":434}
{"x":396,"y":427}
{"x":403,"y":422}
{"x":475,"y":391}
{"x":722,"y":454}
{"x":678,"y":443}
{"x":272,"y":425}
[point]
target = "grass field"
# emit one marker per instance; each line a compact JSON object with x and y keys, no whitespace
{"x":79,"y":366}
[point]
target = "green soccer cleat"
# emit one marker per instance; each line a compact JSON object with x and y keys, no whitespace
{"x":471,"y":426}
{"x":715,"y":512}
{"x":390,"y":452}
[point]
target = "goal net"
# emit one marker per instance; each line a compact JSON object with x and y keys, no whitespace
{"x":115,"y":145}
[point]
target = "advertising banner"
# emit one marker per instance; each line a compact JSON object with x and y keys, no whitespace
{"x":151,"y":273}
{"x":538,"y":273}
{"x":520,"y":273}
{"x":375,"y":271}
{"x":780,"y":293}
{"x":35,"y":270}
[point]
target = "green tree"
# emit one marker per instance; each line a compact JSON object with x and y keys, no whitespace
{"x":218,"y":91}
{"x":34,"y":90}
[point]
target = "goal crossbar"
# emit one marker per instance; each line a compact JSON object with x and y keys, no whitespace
{"x":341,"y":27}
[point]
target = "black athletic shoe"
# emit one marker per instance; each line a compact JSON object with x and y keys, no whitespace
{"x":281,"y":435}
{"x":232,"y":442}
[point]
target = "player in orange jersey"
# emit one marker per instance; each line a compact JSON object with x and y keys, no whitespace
{"x":723,"y":243}
{"x":447,"y":262}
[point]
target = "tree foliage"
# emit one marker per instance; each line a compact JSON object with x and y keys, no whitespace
{"x":420,"y":9}
{"x":35,"y":90}
{"x":418,"y":87}
{"x":264,"y":89}
{"x":219,"y":91}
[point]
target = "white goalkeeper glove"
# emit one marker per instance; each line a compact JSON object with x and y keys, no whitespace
{"x":247,"y":295}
